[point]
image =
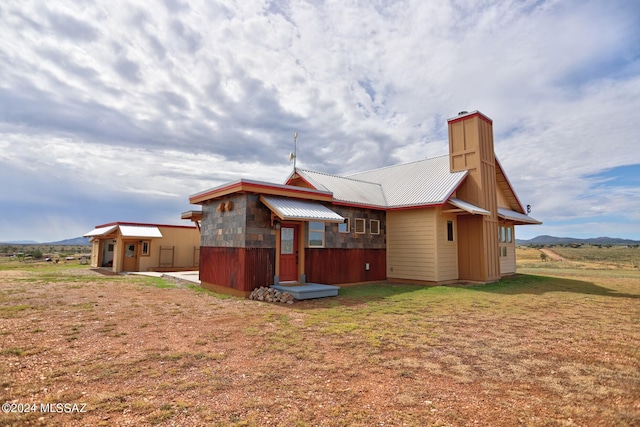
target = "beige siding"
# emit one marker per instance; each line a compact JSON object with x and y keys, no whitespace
{"x":183,"y":241}
{"x":95,"y":252}
{"x":411,"y":244}
{"x":447,"y":252}
{"x":118,"y":250}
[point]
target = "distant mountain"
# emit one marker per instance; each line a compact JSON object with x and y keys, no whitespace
{"x":552,"y":240}
{"x":76,"y":241}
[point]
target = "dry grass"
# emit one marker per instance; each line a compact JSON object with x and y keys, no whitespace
{"x":532,"y":350}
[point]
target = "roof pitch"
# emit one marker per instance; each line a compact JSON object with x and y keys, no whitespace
{"x":346,"y":189}
{"x":419,"y":183}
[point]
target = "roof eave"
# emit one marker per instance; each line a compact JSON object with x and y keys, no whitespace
{"x":259,"y":187}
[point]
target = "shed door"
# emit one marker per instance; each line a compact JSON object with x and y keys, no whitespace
{"x":288,"y":253}
{"x":130,"y":256}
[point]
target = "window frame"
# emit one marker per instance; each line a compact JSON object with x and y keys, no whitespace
{"x":346,"y":222}
{"x":371,"y":222}
{"x":451,"y":237}
{"x":364,"y":225}
{"x":321,"y":231}
{"x":145,"y":251}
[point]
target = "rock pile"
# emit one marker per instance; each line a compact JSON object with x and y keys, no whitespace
{"x":264,"y":293}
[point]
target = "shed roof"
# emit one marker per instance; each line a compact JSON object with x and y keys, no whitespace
{"x":466,"y":206}
{"x":517,"y":217}
{"x":136,"y":230}
{"x":148,"y":231}
{"x":303,"y":210}
{"x":101,"y":231}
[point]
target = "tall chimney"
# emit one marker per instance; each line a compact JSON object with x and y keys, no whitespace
{"x":471,"y":149}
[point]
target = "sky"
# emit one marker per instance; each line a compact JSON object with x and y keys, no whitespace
{"x":119,"y":110}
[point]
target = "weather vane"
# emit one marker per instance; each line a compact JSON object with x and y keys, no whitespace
{"x":293,"y":155}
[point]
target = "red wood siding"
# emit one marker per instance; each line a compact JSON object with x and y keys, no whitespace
{"x":242,"y":269}
{"x":334,"y":266}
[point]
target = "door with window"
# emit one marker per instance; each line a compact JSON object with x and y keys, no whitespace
{"x":288,"y":253}
{"x":130,"y":256}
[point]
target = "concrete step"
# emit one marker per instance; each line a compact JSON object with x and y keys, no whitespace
{"x":309,"y":290}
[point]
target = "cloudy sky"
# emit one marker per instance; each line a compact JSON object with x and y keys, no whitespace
{"x":119,"y":110}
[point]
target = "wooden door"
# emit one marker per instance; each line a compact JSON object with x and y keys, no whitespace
{"x":288,"y":253}
{"x":130,"y":256}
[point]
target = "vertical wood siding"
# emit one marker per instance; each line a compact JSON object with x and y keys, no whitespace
{"x":334,"y":266}
{"x":237,"y":268}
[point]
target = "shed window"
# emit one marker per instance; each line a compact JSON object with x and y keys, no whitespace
{"x":146,"y":248}
{"x":360,"y":226}
{"x":509,"y":235}
{"x":374,"y":226}
{"x":450,"y":231}
{"x":345,"y":227}
{"x":316,"y":234}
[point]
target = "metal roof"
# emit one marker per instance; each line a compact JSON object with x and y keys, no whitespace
{"x":423,"y":182}
{"x":517,"y":216}
{"x":346,"y":189}
{"x":466,"y":206}
{"x":293,"y":209}
{"x":140,"y":231}
{"x":101,"y":231}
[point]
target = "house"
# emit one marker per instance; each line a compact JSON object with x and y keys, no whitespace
{"x":441,"y":220}
{"x":128,"y":246}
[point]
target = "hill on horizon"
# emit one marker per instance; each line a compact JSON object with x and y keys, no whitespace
{"x":76,"y":241}
{"x":552,"y":240}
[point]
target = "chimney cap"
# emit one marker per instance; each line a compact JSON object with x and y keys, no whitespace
{"x":463,"y":115}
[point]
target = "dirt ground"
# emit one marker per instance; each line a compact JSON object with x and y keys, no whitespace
{"x":138,"y":353}
{"x":554,"y":256}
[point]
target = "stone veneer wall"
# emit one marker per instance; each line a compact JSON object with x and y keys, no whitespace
{"x":351,"y":240}
{"x":246,"y":225}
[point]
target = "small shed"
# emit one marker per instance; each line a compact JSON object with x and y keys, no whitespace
{"x":132,"y":247}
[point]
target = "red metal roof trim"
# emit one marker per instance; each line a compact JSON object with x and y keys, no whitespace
{"x":470,"y":115}
{"x":244,"y":185}
{"x":142,"y":224}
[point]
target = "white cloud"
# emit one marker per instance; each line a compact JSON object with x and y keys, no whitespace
{"x":160,"y":100}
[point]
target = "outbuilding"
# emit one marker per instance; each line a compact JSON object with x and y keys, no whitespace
{"x":133,"y":247}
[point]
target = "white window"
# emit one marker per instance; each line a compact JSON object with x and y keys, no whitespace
{"x":345,"y":227}
{"x":316,"y":234}
{"x":146,"y":248}
{"x":360,"y":226}
{"x":374,"y":226}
